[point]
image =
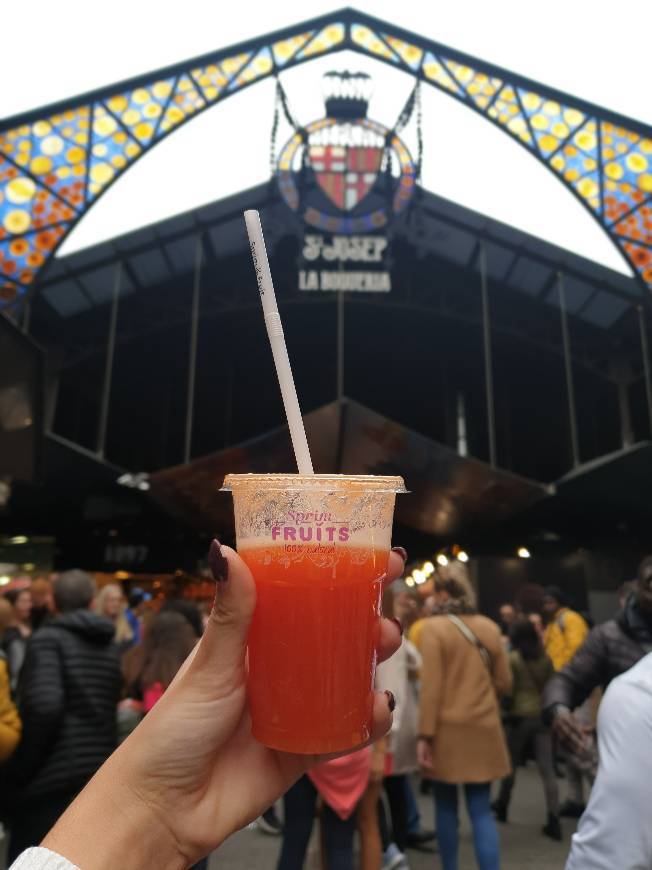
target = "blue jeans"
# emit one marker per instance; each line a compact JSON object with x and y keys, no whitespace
{"x":485,"y":835}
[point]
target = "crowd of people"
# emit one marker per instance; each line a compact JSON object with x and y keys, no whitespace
{"x":472,"y":700}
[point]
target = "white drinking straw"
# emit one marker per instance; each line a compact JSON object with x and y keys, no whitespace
{"x":277,"y":341}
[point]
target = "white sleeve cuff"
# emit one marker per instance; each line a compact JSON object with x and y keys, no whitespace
{"x":38,"y":858}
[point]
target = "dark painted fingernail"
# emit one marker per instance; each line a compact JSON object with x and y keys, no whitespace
{"x":391,"y":700}
{"x":218,"y":564}
{"x":397,"y":623}
{"x":402,"y":552}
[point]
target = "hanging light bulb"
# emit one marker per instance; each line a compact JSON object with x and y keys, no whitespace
{"x":427,"y":568}
{"x":523,"y":553}
{"x":442,"y":560}
{"x":462,"y":556}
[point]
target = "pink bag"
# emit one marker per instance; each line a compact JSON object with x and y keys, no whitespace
{"x":342,"y":781}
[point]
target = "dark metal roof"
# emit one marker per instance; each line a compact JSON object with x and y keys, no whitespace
{"x":160,"y":252}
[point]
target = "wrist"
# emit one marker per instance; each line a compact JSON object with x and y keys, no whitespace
{"x":108,"y":825}
{"x":559,"y":710}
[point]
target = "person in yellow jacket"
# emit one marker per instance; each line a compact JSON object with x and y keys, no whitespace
{"x":565,"y":631}
{"x":10,"y":725}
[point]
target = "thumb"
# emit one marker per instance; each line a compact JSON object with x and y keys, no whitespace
{"x":220,"y":656}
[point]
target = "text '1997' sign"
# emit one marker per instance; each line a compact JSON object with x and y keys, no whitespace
{"x":350,"y":263}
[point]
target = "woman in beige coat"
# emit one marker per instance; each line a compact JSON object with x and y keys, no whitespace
{"x":461,"y":739}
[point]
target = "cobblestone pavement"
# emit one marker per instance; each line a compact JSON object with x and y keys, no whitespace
{"x":523,"y":846}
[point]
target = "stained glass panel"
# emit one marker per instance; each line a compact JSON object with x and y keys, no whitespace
{"x":140,"y":110}
{"x":551,"y":122}
{"x":480,"y":87}
{"x":261,"y":65}
{"x":369,"y":40}
{"x":506,"y":110}
{"x":627,"y":159}
{"x":637,"y":225}
{"x":22,"y":258}
{"x":325,"y":40}
{"x":434,"y":70}
{"x":212,"y":80}
{"x":185,"y":101}
{"x":410,"y":54}
{"x":111,"y":151}
{"x":285,"y":50}
{"x":640,"y":257}
{"x":42,"y":151}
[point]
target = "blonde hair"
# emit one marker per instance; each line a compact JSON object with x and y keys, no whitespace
{"x":100,"y":599}
{"x":455,"y":581}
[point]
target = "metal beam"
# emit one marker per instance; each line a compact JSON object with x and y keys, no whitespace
{"x":568,"y":365}
{"x":108,"y":366}
{"x":192,"y":361}
{"x":488,"y":364}
{"x":646,"y":363}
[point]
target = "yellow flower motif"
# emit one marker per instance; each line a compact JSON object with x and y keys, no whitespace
{"x":143,"y":130}
{"x":41,"y":128}
{"x":517,"y":125}
{"x":550,"y":107}
{"x":100,"y":150}
{"x":20,"y":190}
{"x":75,"y":155}
{"x":560,"y":130}
{"x":17,"y":221}
{"x":131,"y":117}
{"x":101,"y":173}
{"x":41,"y":165}
{"x":571,"y":175}
{"x":645,"y":182}
{"x":548,"y":143}
{"x":63,"y":172}
{"x":162,"y":90}
{"x":614,"y":171}
{"x":573,"y":117}
{"x":590,"y":164}
{"x":539,"y":122}
{"x":585,"y":140}
{"x":105,"y":125}
{"x":636,"y":162}
{"x":531,"y":101}
{"x":646,"y":146}
{"x":587,"y":188}
{"x":558,"y":162}
{"x":140,"y":96}
{"x":152,"y":110}
{"x":118,"y":104}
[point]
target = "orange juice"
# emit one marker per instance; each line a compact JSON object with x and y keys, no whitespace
{"x":312,"y":649}
{"x":317,"y":546}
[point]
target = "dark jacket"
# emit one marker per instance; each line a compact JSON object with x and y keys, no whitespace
{"x":68,"y":692}
{"x":15,"y":646}
{"x":610,"y":649}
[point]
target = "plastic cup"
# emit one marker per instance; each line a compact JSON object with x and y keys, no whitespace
{"x":317,"y":546}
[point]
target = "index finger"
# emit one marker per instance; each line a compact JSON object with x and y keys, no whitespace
{"x":395,"y":565}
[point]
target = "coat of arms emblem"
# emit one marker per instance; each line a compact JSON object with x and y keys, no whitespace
{"x":346,"y":174}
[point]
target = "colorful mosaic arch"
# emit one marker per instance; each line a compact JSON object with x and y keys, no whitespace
{"x":55,"y":163}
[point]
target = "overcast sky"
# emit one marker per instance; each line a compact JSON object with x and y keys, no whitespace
{"x":597,"y":50}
